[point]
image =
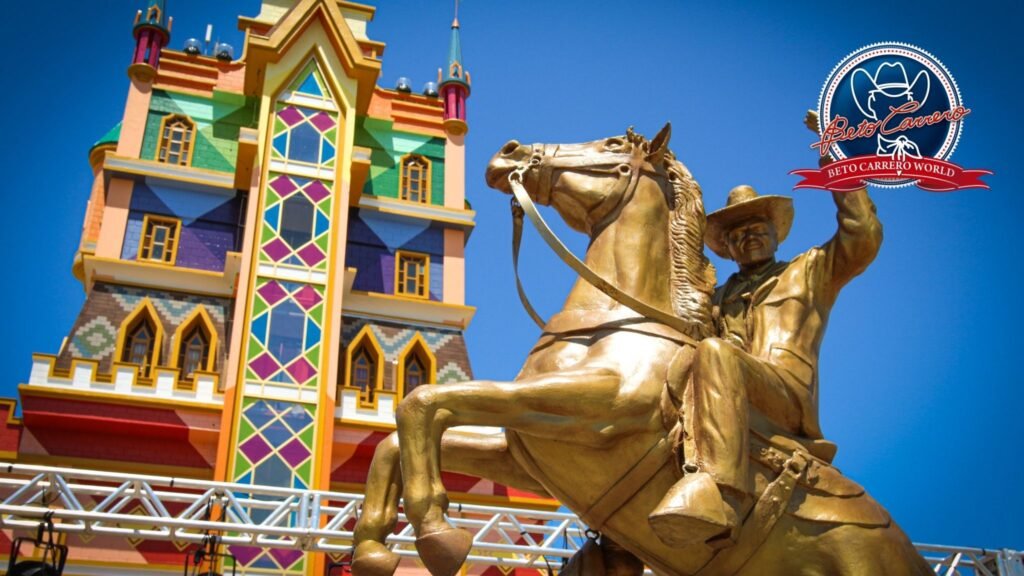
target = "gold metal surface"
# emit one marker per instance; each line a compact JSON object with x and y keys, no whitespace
{"x":701,"y":459}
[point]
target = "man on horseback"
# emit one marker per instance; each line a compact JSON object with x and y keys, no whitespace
{"x":770,"y":317}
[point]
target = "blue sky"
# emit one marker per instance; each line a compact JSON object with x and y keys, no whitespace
{"x":921,"y":385}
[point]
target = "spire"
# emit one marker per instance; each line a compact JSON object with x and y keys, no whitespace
{"x":455,"y":73}
{"x":152,"y":32}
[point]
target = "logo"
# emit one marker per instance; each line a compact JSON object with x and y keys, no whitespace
{"x":890,"y":115}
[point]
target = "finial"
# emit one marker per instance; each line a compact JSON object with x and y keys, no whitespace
{"x":455,"y":21}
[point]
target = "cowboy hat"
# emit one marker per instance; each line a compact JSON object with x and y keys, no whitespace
{"x":743,"y":204}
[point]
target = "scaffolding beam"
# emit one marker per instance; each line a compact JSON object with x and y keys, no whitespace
{"x":184,"y":510}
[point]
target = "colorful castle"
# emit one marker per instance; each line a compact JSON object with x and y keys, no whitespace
{"x":273,"y":255}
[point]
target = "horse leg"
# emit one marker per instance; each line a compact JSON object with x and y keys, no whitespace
{"x":472,"y":454}
{"x":572,"y":404}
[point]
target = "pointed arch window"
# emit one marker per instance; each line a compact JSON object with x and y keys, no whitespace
{"x":417,"y":365}
{"x":177,"y":136}
{"x":415,"y":186}
{"x":139,"y":338}
{"x":195,"y":343}
{"x":364,"y":371}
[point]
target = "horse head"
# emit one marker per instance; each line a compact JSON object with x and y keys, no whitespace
{"x":622,"y":181}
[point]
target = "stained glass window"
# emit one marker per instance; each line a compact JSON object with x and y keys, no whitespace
{"x":414,"y":373}
{"x":414,"y":186}
{"x":176,"y":140}
{"x":411,"y":274}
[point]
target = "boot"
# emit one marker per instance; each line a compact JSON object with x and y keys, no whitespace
{"x":694,"y":511}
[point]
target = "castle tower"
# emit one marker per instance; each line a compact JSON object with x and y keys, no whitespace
{"x":273,"y":257}
{"x":152,"y":32}
{"x":453,"y":83}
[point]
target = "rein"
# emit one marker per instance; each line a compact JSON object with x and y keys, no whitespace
{"x":523,"y":204}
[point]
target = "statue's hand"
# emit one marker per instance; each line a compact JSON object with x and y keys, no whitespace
{"x":811,"y":121}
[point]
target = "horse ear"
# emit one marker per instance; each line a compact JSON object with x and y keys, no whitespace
{"x":659,"y":146}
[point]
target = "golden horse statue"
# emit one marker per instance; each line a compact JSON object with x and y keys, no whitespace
{"x":596,"y":418}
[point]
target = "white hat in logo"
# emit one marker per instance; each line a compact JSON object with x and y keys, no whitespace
{"x":890,"y":80}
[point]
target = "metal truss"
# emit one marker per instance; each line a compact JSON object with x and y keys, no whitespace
{"x":140,"y":507}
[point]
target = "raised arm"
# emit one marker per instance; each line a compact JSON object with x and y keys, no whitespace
{"x":859,"y":236}
{"x":857,"y":240}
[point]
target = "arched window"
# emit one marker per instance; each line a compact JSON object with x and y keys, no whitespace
{"x":363,"y":371}
{"x":195,"y":352}
{"x":415,"y":185}
{"x":140,"y":346}
{"x":139,"y":338}
{"x":364,"y":362}
{"x":195,"y":343}
{"x":177,"y":133}
{"x":417,"y":365}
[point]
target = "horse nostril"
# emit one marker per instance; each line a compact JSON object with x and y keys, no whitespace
{"x":510,"y":148}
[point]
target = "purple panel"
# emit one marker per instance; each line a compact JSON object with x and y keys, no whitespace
{"x":286,"y":557}
{"x":272,"y":292}
{"x":290,"y":116}
{"x":317,"y":191}
{"x":322,"y":121}
{"x":307,"y":297}
{"x":312,"y":255}
{"x":294,"y":453}
{"x":283,"y":185}
{"x":301,"y":370}
{"x":264,"y":365}
{"x":255,"y":448}
{"x":245,"y":554}
{"x":277,"y":249}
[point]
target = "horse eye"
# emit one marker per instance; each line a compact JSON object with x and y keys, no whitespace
{"x":613,"y":143}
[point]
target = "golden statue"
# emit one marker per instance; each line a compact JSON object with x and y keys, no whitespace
{"x":615,"y":411}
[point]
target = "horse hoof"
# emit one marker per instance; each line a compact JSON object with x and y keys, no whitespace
{"x":444,"y":552}
{"x":373,"y":559}
{"x":693,"y":511}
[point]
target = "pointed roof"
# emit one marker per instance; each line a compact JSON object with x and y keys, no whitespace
{"x":455,"y":73}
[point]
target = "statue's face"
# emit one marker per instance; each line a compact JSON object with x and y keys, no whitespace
{"x":752,"y":242}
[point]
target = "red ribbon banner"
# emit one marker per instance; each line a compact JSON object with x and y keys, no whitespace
{"x":932,"y":174}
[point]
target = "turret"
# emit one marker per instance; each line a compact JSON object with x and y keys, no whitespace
{"x":454,"y":85}
{"x":152,"y":32}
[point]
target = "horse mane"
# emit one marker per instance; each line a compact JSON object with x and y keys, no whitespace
{"x":693,"y":275}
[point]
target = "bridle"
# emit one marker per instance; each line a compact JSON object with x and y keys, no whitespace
{"x":545,"y":160}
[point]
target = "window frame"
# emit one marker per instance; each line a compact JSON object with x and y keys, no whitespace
{"x":164,"y":141}
{"x":416,"y":347}
{"x":365,"y":340}
{"x":174,"y":239}
{"x":400,"y":273}
{"x":144,"y":312}
{"x":199,"y":318}
{"x":404,"y":180}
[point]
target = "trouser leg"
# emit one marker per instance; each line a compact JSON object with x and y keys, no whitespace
{"x":727,"y":382}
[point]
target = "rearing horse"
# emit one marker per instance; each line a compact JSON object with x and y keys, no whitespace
{"x":597,"y":412}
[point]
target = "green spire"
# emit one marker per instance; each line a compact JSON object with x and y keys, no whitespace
{"x":154,"y":14}
{"x":455,"y":72}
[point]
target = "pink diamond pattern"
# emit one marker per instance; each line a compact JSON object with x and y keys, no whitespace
{"x":290,"y":116}
{"x":317,"y":191}
{"x":264,"y":365}
{"x":311,"y":255}
{"x":272,"y":292}
{"x":283,"y":185}
{"x":245,"y":554}
{"x":277,"y":249}
{"x":322,"y":121}
{"x":301,"y":370}
{"x":307,"y":297}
